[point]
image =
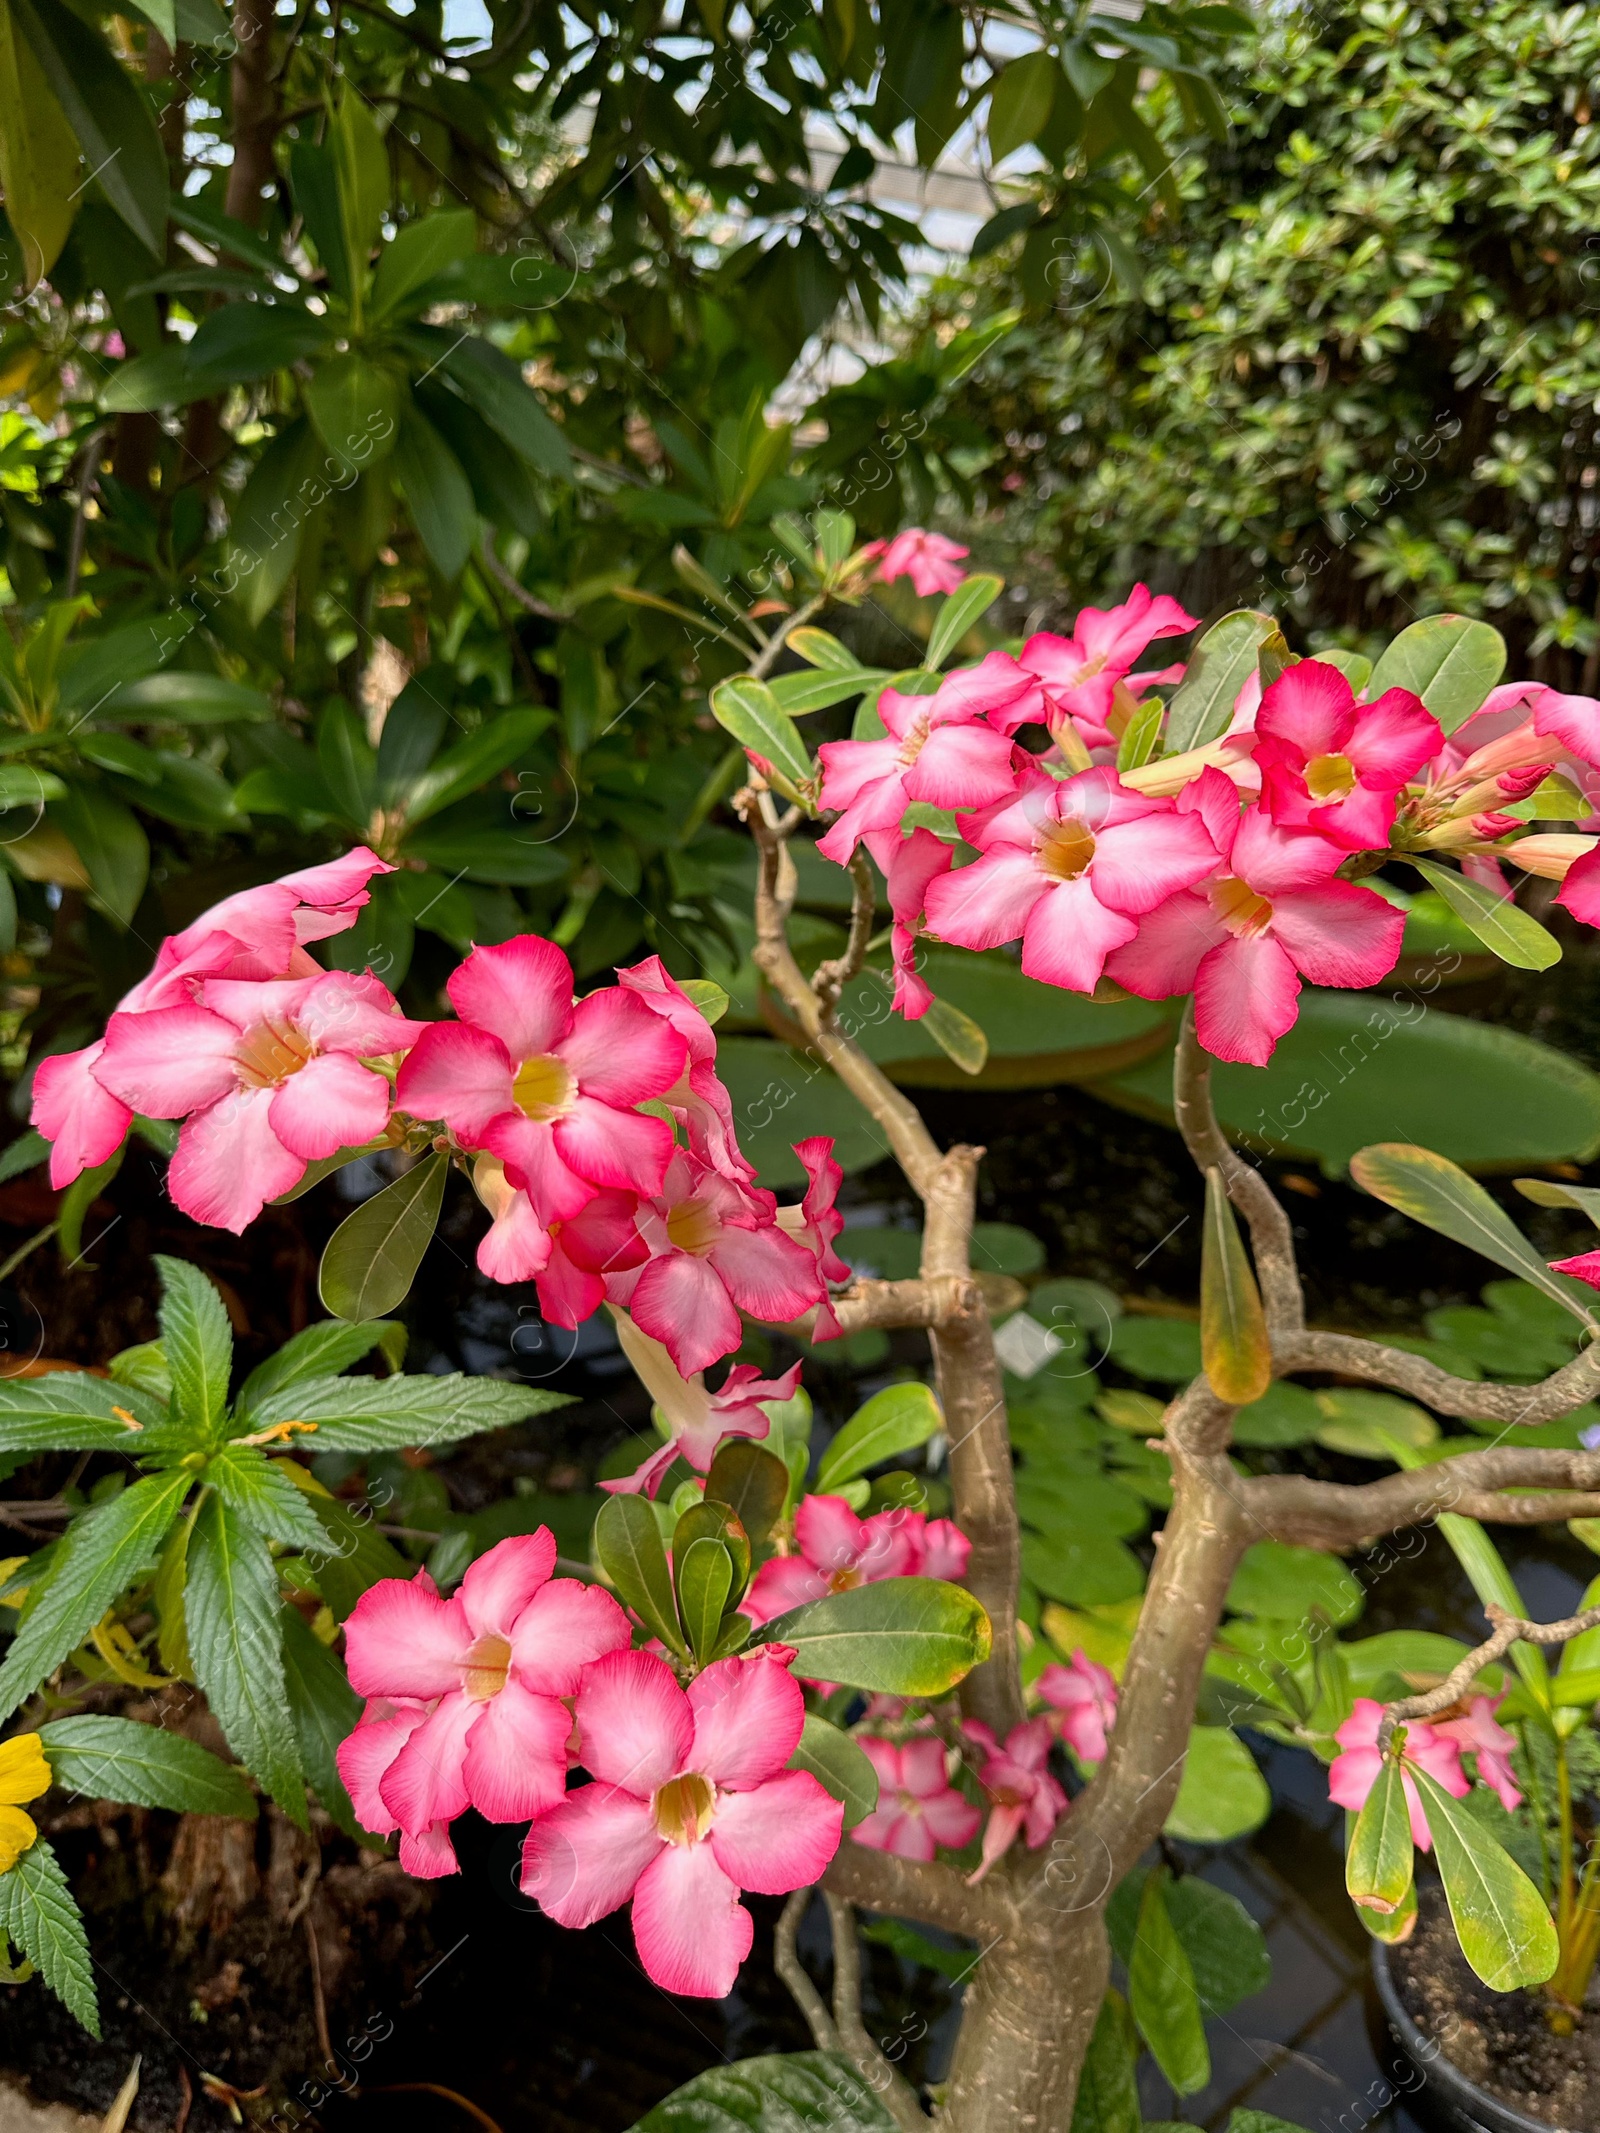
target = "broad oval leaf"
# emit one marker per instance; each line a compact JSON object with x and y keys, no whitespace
{"x":1219,"y":666}
{"x":705,"y":1581}
{"x":1379,"y":1862}
{"x":893,"y":1421}
{"x":1235,"y":1351}
{"x":1502,"y":1922}
{"x":1223,"y":1794}
{"x":752,"y":1482}
{"x":748,"y":710}
{"x":900,"y":1637}
{"x":1450,"y":661}
{"x":1161,"y":1992}
{"x":1513,"y":934}
{"x":1021,"y":102}
{"x":839,"y":1766}
{"x":372,"y":1258}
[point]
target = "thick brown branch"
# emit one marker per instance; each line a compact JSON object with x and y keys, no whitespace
{"x":896,"y":1304}
{"x":929,"y":1891}
{"x":1346,"y":1355}
{"x":1271,"y":1236}
{"x":1508,"y":1630}
{"x":1326,"y":1514}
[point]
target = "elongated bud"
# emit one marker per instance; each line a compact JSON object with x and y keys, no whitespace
{"x":1550,"y":853}
{"x":1513,"y":751}
{"x":1490,"y":826}
{"x":1518,"y":784}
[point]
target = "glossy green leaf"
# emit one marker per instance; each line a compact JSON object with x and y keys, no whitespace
{"x":355,"y":405}
{"x":1235,"y":1350}
{"x":897,"y":1419}
{"x":1223,"y":1794}
{"x":1021,"y":102}
{"x":38,"y":156}
{"x":416,"y":253}
{"x":286,"y":484}
{"x":40,"y":1916}
{"x":1285,"y":1583}
{"x":798,"y":694}
{"x":748,"y":710}
{"x":821,"y":649}
{"x":1379,"y":1861}
{"x":199,"y":1345}
{"x":1502,"y":1922}
{"x":233,"y":1618}
{"x":361,"y":168}
{"x":1545,"y":1192}
{"x":1365,"y":1424}
{"x":372,"y":1258}
{"x":144,"y":1765}
{"x":324,"y":1709}
{"x":1084,"y":1569}
{"x":1512,"y":934}
{"x":789,"y":2092}
{"x":900,"y":1636}
{"x":354,"y":1555}
{"x":958,"y":612}
{"x":704,"y":1578}
{"x":839,"y":1765}
{"x":1141,"y":735}
{"x":1162,"y":1995}
{"x":1391,"y":1927}
{"x":1222,"y":661}
{"x":628,"y":1548}
{"x":186,"y":700}
{"x":752,"y":1481}
{"x":109,"y":841}
{"x":438,"y":493}
{"x":1227,"y":1950}
{"x":1436,"y":1192}
{"x":494,"y":385}
{"x":102,"y":103}
{"x":1108,"y":2087}
{"x":1450,"y":661}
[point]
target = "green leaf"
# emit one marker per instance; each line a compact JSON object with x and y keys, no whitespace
{"x":788,"y":2092}
{"x":1449,"y":661}
{"x":1021,"y":101}
{"x":900,"y":1636}
{"x":240,"y":343}
{"x":1365,"y":1423}
{"x":418,"y":252}
{"x":1227,"y":1950}
{"x":1223,"y":1794}
{"x":361,"y":169}
{"x":958,"y":611}
{"x":76,"y":1202}
{"x":325,"y":1709}
{"x":1502,"y":1922}
{"x":752,"y":1482}
{"x":354,"y":1555}
{"x":438,"y":493}
{"x":70,"y":1411}
{"x":198,"y":1343}
{"x":472,"y":762}
{"x":372,"y":1258}
{"x":185,"y":699}
{"x":839,"y":1766}
{"x":1285,"y":1583}
{"x":101,"y":1552}
{"x":957,"y":1035}
{"x":25,"y":1153}
{"x":233,"y":1616}
{"x":704,"y":1578}
{"x":355,"y":405}
{"x":1108,"y":2088}
{"x":377,"y":1414}
{"x":259,"y":1490}
{"x":1436,"y":1192}
{"x":40,"y":1915}
{"x":113,"y":848}
{"x":1083,"y":1569}
{"x":1221,"y":663}
{"x":494,"y":385}
{"x":799,"y":693}
{"x":896,"y":1420}
{"x":1235,"y":1350}
{"x":1161,"y":1992}
{"x":103,"y":105}
{"x":1141,"y":735}
{"x":285,"y":486}
{"x":144,"y":1765}
{"x":38,"y":157}
{"x":1379,"y":1861}
{"x":748,"y":710}
{"x":1499,"y":921}
{"x":628,"y":1548}
{"x":1543,"y":1192}
{"x":821,"y":649}
{"x":319,"y":1351}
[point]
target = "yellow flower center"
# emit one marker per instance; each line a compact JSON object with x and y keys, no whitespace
{"x":684,"y":1807}
{"x":1330,"y":777}
{"x":543,"y":1087}
{"x":915,"y":741}
{"x":1239,"y":908}
{"x":1065,"y":851}
{"x":694,"y":1226}
{"x":270,"y":1053}
{"x":485,"y":1667}
{"x":845,"y":1580}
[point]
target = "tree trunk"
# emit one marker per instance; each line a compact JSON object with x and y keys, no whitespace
{"x":1025,"y":2027}
{"x":255,"y":110}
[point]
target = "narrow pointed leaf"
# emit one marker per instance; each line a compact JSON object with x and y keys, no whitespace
{"x":372,"y":1258}
{"x":1234,"y":1348}
{"x":896,"y":1420}
{"x":1379,"y":1863}
{"x":1499,"y":921}
{"x":961,"y":609}
{"x":1161,"y":1991}
{"x":705,"y":1580}
{"x":106,"y":111}
{"x":1502,"y":1922}
{"x":40,"y":1915}
{"x":325,"y":1709}
{"x":1219,"y":666}
{"x":627,"y":1546}
{"x":198,"y":1342}
{"x":233,"y":1613}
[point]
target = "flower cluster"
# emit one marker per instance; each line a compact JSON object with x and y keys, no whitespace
{"x":838,"y":1551}
{"x":1224,"y":871}
{"x":1435,"y":1749}
{"x":491,"y":1698}
{"x":600,"y":1138}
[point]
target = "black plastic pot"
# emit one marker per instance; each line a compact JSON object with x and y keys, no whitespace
{"x":1438,"y":2087}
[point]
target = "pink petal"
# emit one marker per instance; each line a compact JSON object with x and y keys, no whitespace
{"x":333,"y":1102}
{"x":1361,"y":822}
{"x":427,"y":1780}
{"x":986,"y":904}
{"x":503,"y":1581}
{"x":1339,"y":933}
{"x":403,"y":1640}
{"x":563,"y":1629}
{"x":850,"y":767}
{"x":689,"y":1927}
{"x":1393,"y":738}
{"x":516,"y":1246}
{"x":520,"y":991}
{"x":1574,"y":721}
{"x":891,"y":1541}
{"x":568,"y":1294}
{"x":891,"y":1829}
{"x":681,"y":1303}
{"x":829,"y":1532}
{"x":1245,"y":997}
{"x":430,"y":1854}
{"x":83,"y":1120}
{"x":922,"y":1767}
{"x":364,"y":1756}
{"x":1272,"y":859}
{"x":1312,"y":706}
{"x":528,"y":1149}
{"x":338,"y":885}
{"x":780,"y":1835}
{"x":1580,"y":892}
{"x":624,"y":1149}
{"x":620,"y":1051}
{"x":1138,"y":865}
{"x":766,"y":1273}
{"x":1214,"y":797}
{"x":517,"y":1755}
{"x":347,"y":1011}
{"x":459,"y":1074}
{"x":1352,"y":1775}
{"x":635,"y":1727}
{"x":229,"y":1162}
{"x":1070,"y":933}
{"x":582,"y":1860}
{"x":790,"y":1581}
{"x":950,"y":1819}
{"x":169,"y":1061}
{"x":962,"y":766}
{"x":748,"y":1715}
{"x":1165,"y":955}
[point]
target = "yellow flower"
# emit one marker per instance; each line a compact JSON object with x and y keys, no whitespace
{"x":24,"y":1774}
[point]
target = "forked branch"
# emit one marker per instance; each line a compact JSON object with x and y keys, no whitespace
{"x":1508,"y":1630}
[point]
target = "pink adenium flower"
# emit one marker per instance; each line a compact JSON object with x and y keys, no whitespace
{"x":928,"y":559}
{"x":838,"y":1551}
{"x":571,"y":1257}
{"x":698,"y":1097}
{"x":690,"y":1803}
{"x":1490,"y":1742}
{"x":1079,"y":674}
{"x":939,"y":1548}
{"x":365,"y":1758}
{"x":918,"y":1808}
{"x":1273,"y":914}
{"x":1354,"y":1771}
{"x":258,"y":933}
{"x":1335,"y":766}
{"x":490,"y":1667}
{"x":816,"y":1222}
{"x":697,"y":1420}
{"x":935,"y":751}
{"x":268,"y":1077}
{"x":547,"y":1086}
{"x":1023,"y":1797}
{"x":1070,"y":866}
{"x":1083,"y":1698}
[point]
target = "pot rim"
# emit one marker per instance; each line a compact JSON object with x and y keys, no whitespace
{"x":1459,"y":2093}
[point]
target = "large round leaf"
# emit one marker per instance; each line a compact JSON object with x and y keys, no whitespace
{"x":780,"y":1097}
{"x":1223,"y":1794}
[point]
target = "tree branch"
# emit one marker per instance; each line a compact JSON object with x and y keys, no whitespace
{"x":786,"y":1961}
{"x":1508,"y":1630}
{"x":829,"y":979}
{"x":1345,"y":1355}
{"x":929,"y":1891}
{"x":1326,"y":1514}
{"x":896,"y":2094}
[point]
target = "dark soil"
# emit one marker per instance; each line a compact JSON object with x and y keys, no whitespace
{"x":1500,"y":2040}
